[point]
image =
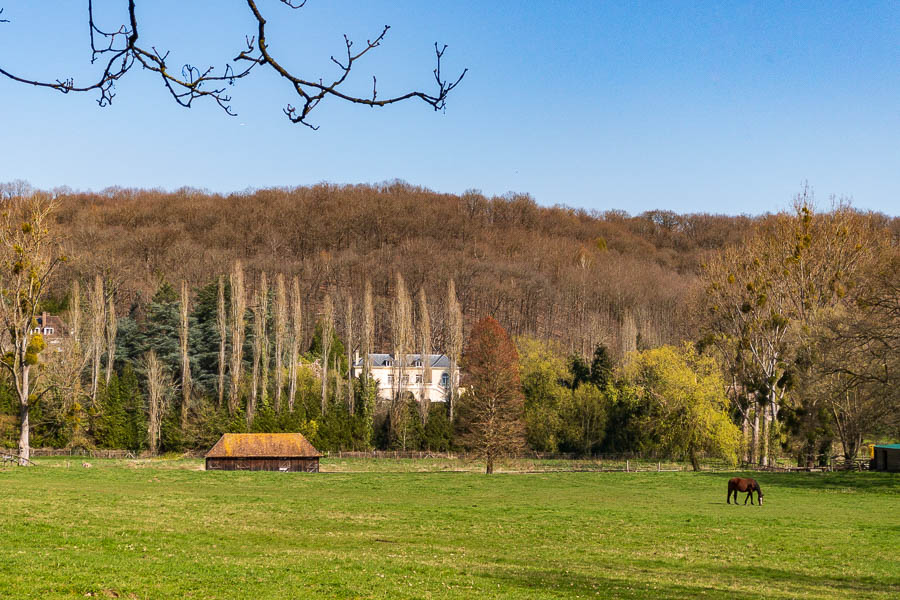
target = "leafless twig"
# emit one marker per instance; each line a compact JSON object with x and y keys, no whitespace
{"x":119,"y":50}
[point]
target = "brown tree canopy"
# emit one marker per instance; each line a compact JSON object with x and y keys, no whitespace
{"x":561,"y":273}
{"x":492,"y":404}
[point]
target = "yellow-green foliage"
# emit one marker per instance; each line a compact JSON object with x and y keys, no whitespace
{"x":542,"y":367}
{"x":35,"y":346}
{"x":685,"y":394}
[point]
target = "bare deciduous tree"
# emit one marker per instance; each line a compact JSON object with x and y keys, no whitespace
{"x":281,"y":315}
{"x":260,"y":372}
{"x":75,"y":312}
{"x":183,"y":332}
{"x":156,"y":397}
{"x":402,"y":332}
{"x":238,"y":330}
{"x":425,"y":345}
{"x":112,"y":329}
{"x":348,"y":333}
{"x":28,"y":258}
{"x":454,"y":342}
{"x":121,"y":48}
{"x":327,"y":334}
{"x":295,"y":339}
{"x":222,"y":327}
{"x":97,"y":339}
{"x":264,"y":338}
{"x":368,"y":330}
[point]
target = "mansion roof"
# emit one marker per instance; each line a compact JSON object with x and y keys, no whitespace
{"x":386,"y":360}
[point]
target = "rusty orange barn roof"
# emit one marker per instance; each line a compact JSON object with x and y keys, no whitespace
{"x":263,"y":445}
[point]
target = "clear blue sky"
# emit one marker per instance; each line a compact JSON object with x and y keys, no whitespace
{"x":687,"y":106}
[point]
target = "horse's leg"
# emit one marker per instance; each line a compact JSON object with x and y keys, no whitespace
{"x":747,"y":498}
{"x":728,"y":499}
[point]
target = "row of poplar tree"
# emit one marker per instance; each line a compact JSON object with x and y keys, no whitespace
{"x":186,"y":367}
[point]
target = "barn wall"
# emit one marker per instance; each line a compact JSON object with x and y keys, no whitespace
{"x":892,"y":459}
{"x":308,"y":465}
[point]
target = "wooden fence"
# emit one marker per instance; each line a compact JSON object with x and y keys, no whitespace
{"x":38,"y":452}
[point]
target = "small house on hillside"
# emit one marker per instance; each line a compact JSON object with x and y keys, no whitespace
{"x":52,"y":328}
{"x":886,"y":457}
{"x":263,"y":452}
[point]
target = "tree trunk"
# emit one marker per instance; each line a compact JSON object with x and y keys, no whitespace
{"x":754,"y":448}
{"x":489,"y":465}
{"x":745,"y":436}
{"x":810,"y":454}
{"x":324,"y":381}
{"x":695,"y":462}
{"x":764,"y":453}
{"x":25,"y":434}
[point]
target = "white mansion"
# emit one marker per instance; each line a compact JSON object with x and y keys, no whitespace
{"x":385,"y":370}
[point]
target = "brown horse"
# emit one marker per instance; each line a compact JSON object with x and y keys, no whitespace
{"x":744,"y":484}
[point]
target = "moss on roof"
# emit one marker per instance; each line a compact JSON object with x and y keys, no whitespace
{"x":263,"y":445}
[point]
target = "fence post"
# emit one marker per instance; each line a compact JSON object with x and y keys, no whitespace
{"x":658,"y":467}
{"x":626,"y":465}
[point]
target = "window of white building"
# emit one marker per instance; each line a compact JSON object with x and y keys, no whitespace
{"x":445,"y":380}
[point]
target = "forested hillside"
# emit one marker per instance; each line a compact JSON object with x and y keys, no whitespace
{"x":192,"y":314}
{"x":560,"y":273}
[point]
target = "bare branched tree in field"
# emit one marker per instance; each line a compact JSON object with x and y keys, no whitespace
{"x":454,"y":342}
{"x":118,"y":49}
{"x":368,"y":330}
{"x":97,"y":339}
{"x":348,"y":332}
{"x":28,"y":258}
{"x":222,"y":327}
{"x":296,"y":335}
{"x":281,"y":316}
{"x":238,"y":331}
{"x":112,"y":329}
{"x":327,"y":334}
{"x":493,"y":398}
{"x":183,"y":331}
{"x":425,"y":345}
{"x":157,"y":378}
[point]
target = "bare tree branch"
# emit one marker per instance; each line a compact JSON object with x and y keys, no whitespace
{"x":119,"y":51}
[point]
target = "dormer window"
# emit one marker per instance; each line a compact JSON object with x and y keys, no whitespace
{"x":389,"y":363}
{"x":417,"y":363}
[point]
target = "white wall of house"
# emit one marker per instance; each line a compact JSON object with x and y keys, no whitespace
{"x":437,"y":390}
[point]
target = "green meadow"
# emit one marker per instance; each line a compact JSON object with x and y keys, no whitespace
{"x":167,"y":529}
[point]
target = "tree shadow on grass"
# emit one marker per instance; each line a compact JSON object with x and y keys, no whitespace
{"x":842,"y":587}
{"x":559,"y":583}
{"x":862,"y":481}
{"x":726,"y":581}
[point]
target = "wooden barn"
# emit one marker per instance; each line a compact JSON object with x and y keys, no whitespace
{"x":886,"y":457}
{"x":263,"y":452}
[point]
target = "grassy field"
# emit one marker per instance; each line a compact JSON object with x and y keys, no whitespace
{"x":165,"y":529}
